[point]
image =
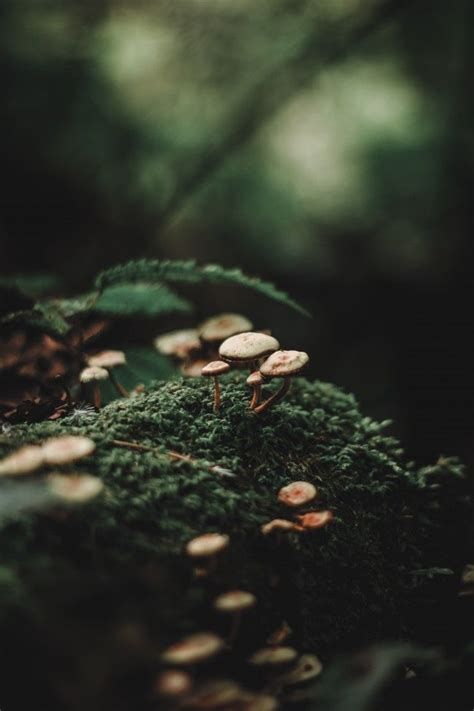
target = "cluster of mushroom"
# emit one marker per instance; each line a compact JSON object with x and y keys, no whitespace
{"x":280,"y":666}
{"x":56,"y":451}
{"x":296,"y":495}
{"x":100,"y":367}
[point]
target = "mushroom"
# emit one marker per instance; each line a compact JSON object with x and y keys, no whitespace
{"x":193,"y":368}
{"x":93,"y":374}
{"x":178,"y":343}
{"x":315,"y":519}
{"x":215,"y":694}
{"x":25,"y":460}
{"x":213,"y":370}
{"x":217,"y":328}
{"x":75,"y":489}
{"x":247,"y":347}
{"x":279,"y":524}
{"x":259,"y":702}
{"x":173,"y":683}
{"x":273,"y":656}
{"x":255,"y":380}
{"x":306,"y":668}
{"x":297,"y":493}
{"x":282,"y":364}
{"x":280,"y":635}
{"x":109,"y":360}
{"x":194,"y":649}
{"x":207,"y":547}
{"x":235,"y":602}
{"x":67,"y":449}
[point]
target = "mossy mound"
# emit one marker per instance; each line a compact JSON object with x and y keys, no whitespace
{"x":111,"y":584}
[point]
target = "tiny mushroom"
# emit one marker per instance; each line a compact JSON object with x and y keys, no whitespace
{"x":306,"y":668}
{"x":213,"y":370}
{"x":178,"y":343}
{"x":193,"y":368}
{"x":77,"y":488}
{"x":279,"y":524}
{"x":207,"y":546}
{"x":67,"y":449}
{"x":215,"y":694}
{"x":259,"y":702}
{"x":217,"y":328}
{"x":282,"y":364}
{"x":25,"y":460}
{"x":94,"y":374}
{"x":173,"y":683}
{"x":235,"y":602}
{"x":315,"y":519}
{"x":194,"y":649}
{"x":248,"y":348}
{"x":297,"y":493}
{"x":273,"y":656}
{"x":255,"y":380}
{"x":109,"y":360}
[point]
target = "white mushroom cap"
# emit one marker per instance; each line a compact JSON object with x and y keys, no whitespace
{"x":306,"y":668}
{"x":215,"y":368}
{"x":193,"y":649}
{"x":315,"y":519}
{"x":173,"y":683}
{"x":279,"y":524}
{"x":284,"y":363}
{"x":25,"y":460}
{"x":66,"y":449}
{"x":207,"y":545}
{"x":93,"y":372}
{"x":223,"y":326}
{"x":273,"y":656}
{"x":297,"y":493}
{"x":76,"y":488}
{"x":107,"y":359}
{"x":215,"y":694}
{"x":247,"y":346}
{"x":255,"y":378}
{"x":179,"y":343}
{"x":234,"y":601}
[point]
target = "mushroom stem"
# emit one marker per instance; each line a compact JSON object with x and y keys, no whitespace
{"x":96,"y":396}
{"x":257,"y":390}
{"x":123,"y":392}
{"x":278,"y":395}
{"x":217,"y":394}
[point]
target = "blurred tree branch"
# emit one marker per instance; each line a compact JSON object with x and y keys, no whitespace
{"x":269,"y":94}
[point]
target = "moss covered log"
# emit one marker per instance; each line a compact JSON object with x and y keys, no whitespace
{"x":109,"y":581}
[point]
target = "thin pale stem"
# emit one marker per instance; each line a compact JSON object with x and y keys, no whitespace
{"x":257,"y":391}
{"x":217,"y":394}
{"x":279,"y":395}
{"x":96,"y":396}
{"x":123,"y":392}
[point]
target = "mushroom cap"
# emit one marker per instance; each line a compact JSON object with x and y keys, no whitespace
{"x":215,"y":694}
{"x":247,"y":346}
{"x":297,"y":493}
{"x":173,"y":683}
{"x":307,"y":667}
{"x":315,"y":519}
{"x":193,"y":649}
{"x":107,"y":359}
{"x":62,"y":450}
{"x":76,"y":488}
{"x":234,"y":601}
{"x":255,"y":378}
{"x":179,"y":343}
{"x":284,"y":363}
{"x":273,"y":656}
{"x":207,"y":545}
{"x":93,"y":372}
{"x":259,"y":702}
{"x":217,"y":328}
{"x":279,"y":524}
{"x":193,"y":369}
{"x":215,"y":367}
{"x":25,"y":460}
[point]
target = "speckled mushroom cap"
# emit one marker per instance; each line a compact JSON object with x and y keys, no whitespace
{"x":315,"y":519}
{"x":255,"y":378}
{"x":193,"y":649}
{"x":93,"y":372}
{"x":297,"y":493}
{"x":107,"y":359}
{"x":223,"y":326}
{"x":234,"y":601}
{"x":215,"y":368}
{"x":284,"y":363}
{"x":62,"y":450}
{"x":179,"y":343}
{"x":25,"y":460}
{"x":247,"y":346}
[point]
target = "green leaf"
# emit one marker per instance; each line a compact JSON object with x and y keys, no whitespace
{"x":153,"y":270}
{"x":139,"y":298}
{"x":44,"y":316}
{"x":32,"y":284}
{"x":143,"y":365}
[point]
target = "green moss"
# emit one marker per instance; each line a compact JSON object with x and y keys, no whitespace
{"x":352,"y":582}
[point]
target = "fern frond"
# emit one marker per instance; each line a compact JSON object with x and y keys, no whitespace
{"x":152,"y":271}
{"x":44,"y":316}
{"x":139,"y":298}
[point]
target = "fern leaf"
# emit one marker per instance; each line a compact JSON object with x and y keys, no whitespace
{"x":175,"y":271}
{"x":139,"y":298}
{"x":44,"y":316}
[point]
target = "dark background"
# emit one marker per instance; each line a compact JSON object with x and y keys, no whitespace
{"x":323,"y":145}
